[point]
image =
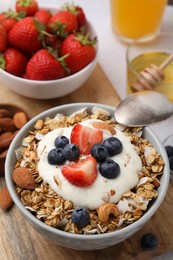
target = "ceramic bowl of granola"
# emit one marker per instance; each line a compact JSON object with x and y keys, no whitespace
{"x":84,"y":181}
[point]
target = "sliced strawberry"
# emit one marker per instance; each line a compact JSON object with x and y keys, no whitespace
{"x":81,"y":173}
{"x":85,"y":137}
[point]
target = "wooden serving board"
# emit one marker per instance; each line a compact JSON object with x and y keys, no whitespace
{"x":19,"y":241}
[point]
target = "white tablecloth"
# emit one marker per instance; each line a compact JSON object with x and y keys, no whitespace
{"x":111,"y":50}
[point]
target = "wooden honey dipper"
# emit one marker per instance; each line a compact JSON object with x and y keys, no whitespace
{"x":152,"y":73}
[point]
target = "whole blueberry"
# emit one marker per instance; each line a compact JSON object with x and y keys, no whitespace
{"x":109,"y":169}
{"x":61,"y":141}
{"x":81,"y":217}
{"x":71,"y":152}
{"x":99,"y":152}
{"x":113,"y":145}
{"x":171,"y":162}
{"x":56,"y":156}
{"x":169,"y":150}
{"x":149,"y":241}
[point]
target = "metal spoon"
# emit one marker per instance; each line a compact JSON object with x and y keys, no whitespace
{"x":143,"y":108}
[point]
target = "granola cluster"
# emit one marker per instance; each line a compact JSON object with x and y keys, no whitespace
{"x":54,"y":211}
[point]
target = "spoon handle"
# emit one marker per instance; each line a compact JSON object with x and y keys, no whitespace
{"x":166,"y":62}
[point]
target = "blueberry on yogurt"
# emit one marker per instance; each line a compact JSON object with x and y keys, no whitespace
{"x":61,"y":141}
{"x":99,"y":152}
{"x":113,"y":145}
{"x":71,"y":152}
{"x":109,"y":169}
{"x":80,"y":217}
{"x":56,"y":156}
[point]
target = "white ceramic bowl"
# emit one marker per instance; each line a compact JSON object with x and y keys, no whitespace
{"x":51,"y":88}
{"x":76,"y":241}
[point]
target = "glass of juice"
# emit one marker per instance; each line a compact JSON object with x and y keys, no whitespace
{"x":141,"y":54}
{"x":132,"y":19}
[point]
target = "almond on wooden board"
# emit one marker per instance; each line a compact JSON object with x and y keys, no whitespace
{"x":6,"y":124}
{"x":5,"y":199}
{"x":3,"y":154}
{"x":23,"y":178}
{"x":4,"y":113}
{"x":6,"y":139}
{"x":20,"y":119}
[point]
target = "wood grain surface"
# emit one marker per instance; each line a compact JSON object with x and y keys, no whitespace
{"x":19,"y":241}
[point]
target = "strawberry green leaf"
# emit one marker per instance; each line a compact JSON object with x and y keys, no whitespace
{"x":24,"y":2}
{"x":85,"y":39}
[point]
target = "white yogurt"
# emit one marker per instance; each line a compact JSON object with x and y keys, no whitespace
{"x":94,"y":195}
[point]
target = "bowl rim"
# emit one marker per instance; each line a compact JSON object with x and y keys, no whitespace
{"x":70,"y":77}
{"x":31,"y":218}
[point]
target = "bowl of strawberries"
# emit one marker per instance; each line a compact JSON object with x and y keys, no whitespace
{"x":46,"y":52}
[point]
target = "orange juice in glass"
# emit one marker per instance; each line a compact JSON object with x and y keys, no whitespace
{"x":134,"y":18}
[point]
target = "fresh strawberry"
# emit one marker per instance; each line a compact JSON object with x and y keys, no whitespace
{"x":13,"y":61}
{"x":28,"y":6}
{"x":63,"y":23}
{"x":77,"y":11}
{"x":2,"y":17}
{"x":54,"y":42}
{"x":81,"y":51}
{"x":10,"y":18}
{"x":26,"y":35}
{"x":43,"y":15}
{"x":44,"y":66}
{"x":81,"y":173}
{"x":3,"y":38}
{"x":80,"y":16}
{"x":85,"y":137}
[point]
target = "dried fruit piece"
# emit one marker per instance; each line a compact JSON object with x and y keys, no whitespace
{"x":23,"y":178}
{"x":20,"y":119}
{"x":5,"y":199}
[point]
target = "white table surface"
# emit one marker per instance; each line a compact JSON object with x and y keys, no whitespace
{"x":111,"y":50}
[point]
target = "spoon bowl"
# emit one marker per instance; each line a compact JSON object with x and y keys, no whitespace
{"x":143,"y":108}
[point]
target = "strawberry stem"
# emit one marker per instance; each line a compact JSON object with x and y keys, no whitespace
{"x":24,"y":2}
{"x":15,"y":15}
{"x":84,"y":39}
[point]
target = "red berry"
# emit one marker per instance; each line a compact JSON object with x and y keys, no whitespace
{"x":80,"y":16}
{"x":81,"y":173}
{"x":25,"y":35}
{"x":43,"y":15}
{"x":81,"y":51}
{"x":85,"y":137}
{"x":28,"y":6}
{"x":43,"y":66}
{"x":3,"y":38}
{"x":63,"y":23}
{"x":14,"y":61}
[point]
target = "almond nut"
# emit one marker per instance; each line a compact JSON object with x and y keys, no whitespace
{"x":6,"y":139}
{"x":4,"y":113}
{"x":20,"y":119}
{"x":3,"y":154}
{"x":23,"y":178}
{"x":5,"y":199}
{"x":6,"y":124}
{"x":103,"y":125}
